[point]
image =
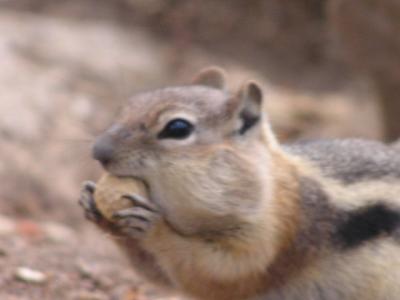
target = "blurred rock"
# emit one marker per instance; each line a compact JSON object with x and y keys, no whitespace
{"x":85,"y":269}
{"x":30,"y":276}
{"x":58,"y":233}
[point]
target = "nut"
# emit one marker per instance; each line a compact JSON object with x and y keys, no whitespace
{"x":109,"y":192}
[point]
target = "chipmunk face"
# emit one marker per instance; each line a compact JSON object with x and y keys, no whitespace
{"x":190,"y":142}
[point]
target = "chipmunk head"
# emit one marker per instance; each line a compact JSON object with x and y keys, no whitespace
{"x":198,"y":147}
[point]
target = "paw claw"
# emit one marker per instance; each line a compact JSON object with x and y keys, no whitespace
{"x":135,"y":221}
{"x":141,"y":201}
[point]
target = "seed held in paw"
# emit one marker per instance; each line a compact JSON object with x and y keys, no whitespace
{"x":109,"y":192}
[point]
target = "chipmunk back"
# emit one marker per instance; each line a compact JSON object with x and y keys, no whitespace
{"x":233,"y":214}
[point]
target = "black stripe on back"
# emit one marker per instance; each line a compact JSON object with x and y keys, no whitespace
{"x":366,"y":224}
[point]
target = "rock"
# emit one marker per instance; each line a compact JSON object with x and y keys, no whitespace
{"x":30,"y":276}
{"x":85,"y":270}
{"x":57,"y":232}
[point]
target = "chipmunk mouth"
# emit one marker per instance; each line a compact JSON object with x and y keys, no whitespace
{"x":120,"y":173}
{"x":116,"y":170}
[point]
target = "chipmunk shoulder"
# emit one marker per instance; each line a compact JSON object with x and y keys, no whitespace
{"x":236,"y":215}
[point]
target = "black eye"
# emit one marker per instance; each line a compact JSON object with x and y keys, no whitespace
{"x":176,"y":129}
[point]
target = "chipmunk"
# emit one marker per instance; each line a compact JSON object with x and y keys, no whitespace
{"x":233,"y":214}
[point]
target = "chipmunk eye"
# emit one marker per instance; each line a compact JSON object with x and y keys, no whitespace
{"x":176,"y":129}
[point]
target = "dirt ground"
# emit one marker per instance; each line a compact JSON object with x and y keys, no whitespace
{"x":61,"y":81}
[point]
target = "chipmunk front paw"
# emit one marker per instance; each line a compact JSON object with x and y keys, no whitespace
{"x":135,"y":222}
{"x":87,"y":202}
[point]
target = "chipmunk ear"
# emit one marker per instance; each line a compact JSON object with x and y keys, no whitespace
{"x":212,"y":77}
{"x":250,"y":99}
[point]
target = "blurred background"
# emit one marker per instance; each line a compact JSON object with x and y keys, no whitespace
{"x":330,"y":68}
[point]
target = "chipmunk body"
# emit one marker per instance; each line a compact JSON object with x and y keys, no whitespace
{"x":234,"y":215}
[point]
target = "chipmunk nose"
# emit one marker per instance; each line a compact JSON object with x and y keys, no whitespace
{"x":103,"y":149}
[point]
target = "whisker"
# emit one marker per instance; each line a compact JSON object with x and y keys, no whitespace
{"x":73,"y":140}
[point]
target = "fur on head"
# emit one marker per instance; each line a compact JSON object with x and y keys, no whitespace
{"x":197,"y":146}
